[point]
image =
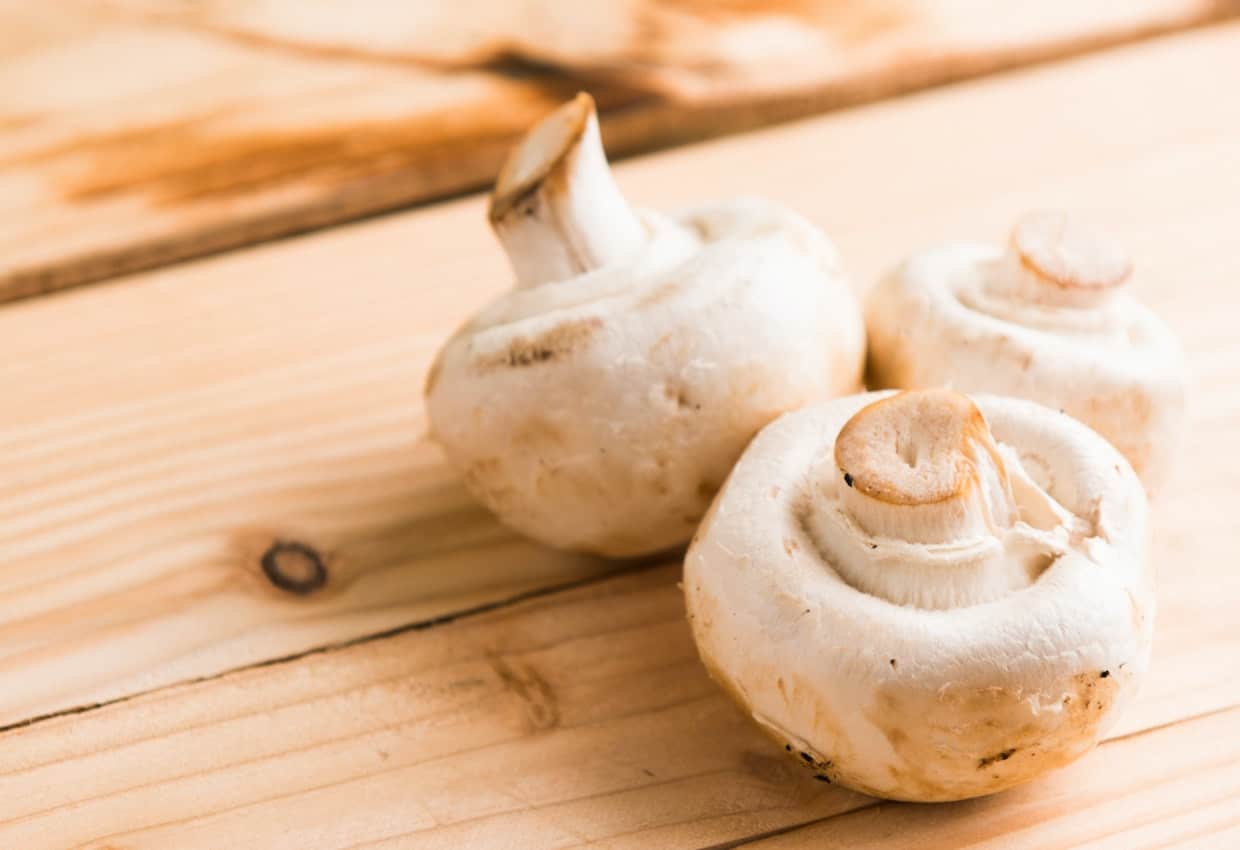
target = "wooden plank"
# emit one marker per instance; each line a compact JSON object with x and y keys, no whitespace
{"x":136,"y":133}
{"x":161,"y":433}
{"x":1174,"y":787}
{"x":147,"y":476}
{"x":581,"y":718}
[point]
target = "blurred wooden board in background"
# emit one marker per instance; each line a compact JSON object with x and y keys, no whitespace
{"x":138,"y":132}
{"x":163,"y":432}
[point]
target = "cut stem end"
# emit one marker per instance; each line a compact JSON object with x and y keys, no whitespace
{"x":1056,"y":261}
{"x":555,"y":206}
{"x":922,"y":467}
{"x":923,"y":513}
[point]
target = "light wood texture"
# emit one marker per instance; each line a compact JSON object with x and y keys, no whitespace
{"x":160,"y":433}
{"x":150,"y":465}
{"x":579,"y":719}
{"x":138,"y":132}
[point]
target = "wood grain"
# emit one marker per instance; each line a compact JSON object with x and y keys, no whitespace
{"x":135,"y":133}
{"x":154,"y":487}
{"x":578,"y":719}
{"x":161,"y":433}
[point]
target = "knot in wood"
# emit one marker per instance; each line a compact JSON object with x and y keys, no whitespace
{"x":294,"y":567}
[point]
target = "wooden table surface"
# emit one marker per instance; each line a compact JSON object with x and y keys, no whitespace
{"x":174,"y":674}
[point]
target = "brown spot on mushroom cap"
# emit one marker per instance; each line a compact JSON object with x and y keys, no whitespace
{"x":914,"y":448}
{"x":1000,"y":756}
{"x":678,"y":395}
{"x":1063,"y":252}
{"x":958,"y":741}
{"x":553,"y":344}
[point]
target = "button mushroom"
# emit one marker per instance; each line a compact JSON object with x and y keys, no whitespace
{"x":599,"y":404}
{"x":1046,"y":320}
{"x":924,"y":596}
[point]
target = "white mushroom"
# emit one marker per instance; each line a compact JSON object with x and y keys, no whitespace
{"x":1046,"y":319}
{"x":600,"y":404}
{"x":926,"y":597}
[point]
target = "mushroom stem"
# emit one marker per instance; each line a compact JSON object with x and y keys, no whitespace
{"x":925,"y":492}
{"x":555,"y":206}
{"x":1055,"y":261}
{"x":922,"y":467}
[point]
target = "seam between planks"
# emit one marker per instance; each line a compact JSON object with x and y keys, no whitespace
{"x":415,"y":626}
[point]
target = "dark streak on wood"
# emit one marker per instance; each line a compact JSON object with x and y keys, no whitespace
{"x":541,"y":706}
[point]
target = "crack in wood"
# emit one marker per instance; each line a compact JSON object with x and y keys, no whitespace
{"x":488,"y":608}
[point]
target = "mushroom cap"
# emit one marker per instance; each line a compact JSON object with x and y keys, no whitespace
{"x":602,"y":412}
{"x":1046,"y":319}
{"x":935,"y":701}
